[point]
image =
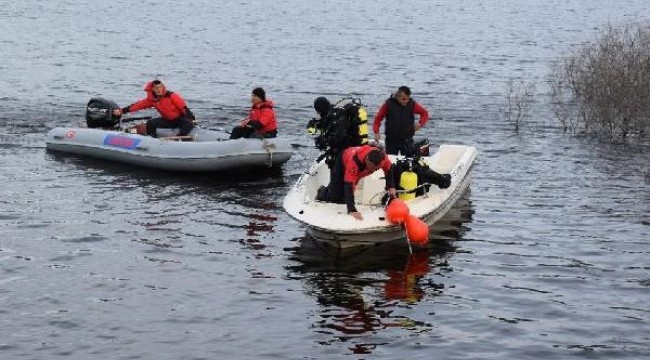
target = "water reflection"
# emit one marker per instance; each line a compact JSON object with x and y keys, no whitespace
{"x":259,"y":226}
{"x":404,"y":284}
{"x":361,"y":291}
{"x":166,"y":209}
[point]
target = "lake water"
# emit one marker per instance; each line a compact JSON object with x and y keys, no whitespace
{"x":545,"y":258}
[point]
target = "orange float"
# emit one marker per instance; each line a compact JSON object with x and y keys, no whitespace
{"x":397,"y":211}
{"x":417,"y":231}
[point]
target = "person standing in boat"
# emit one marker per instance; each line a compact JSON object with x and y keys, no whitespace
{"x":352,"y":165}
{"x":171,"y":106}
{"x":261,"y":120}
{"x":399,"y":111}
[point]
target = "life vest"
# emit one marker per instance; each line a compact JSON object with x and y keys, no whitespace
{"x":264,"y":114}
{"x":400,"y":120}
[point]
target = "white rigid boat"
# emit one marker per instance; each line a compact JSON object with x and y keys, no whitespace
{"x":208,"y":150}
{"x":331,"y":223}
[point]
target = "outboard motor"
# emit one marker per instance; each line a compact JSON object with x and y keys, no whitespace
{"x":422,"y":147}
{"x":99,"y":113}
{"x":416,"y":149}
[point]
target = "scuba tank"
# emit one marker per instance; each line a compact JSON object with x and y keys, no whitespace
{"x":363,"y":125}
{"x":408,"y":180}
{"x":352,"y":108}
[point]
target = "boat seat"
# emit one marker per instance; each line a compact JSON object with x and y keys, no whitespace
{"x":370,"y":190}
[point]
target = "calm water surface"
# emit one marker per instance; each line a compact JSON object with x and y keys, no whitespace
{"x":545,"y":258}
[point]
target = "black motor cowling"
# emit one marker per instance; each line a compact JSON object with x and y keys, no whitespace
{"x":416,"y":149}
{"x":99,"y":113}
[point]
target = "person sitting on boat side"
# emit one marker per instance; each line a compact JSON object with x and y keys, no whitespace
{"x":399,"y":111}
{"x":338,"y":126}
{"x":171,"y":106}
{"x":351,"y":166}
{"x":261,"y":120}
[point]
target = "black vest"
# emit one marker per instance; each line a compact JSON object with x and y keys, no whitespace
{"x":400,"y":120}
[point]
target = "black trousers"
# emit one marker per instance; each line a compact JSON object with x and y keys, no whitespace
{"x":334,"y":192}
{"x":248,"y":132}
{"x":186,"y":125}
{"x":394,"y":146}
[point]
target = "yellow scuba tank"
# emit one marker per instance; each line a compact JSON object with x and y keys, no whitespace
{"x":363,"y":126}
{"x":408,"y":180}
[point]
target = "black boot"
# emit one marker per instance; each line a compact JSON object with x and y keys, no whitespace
{"x":321,"y":193}
{"x":443,"y":180}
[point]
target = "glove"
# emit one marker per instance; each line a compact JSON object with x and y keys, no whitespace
{"x":320,"y":143}
{"x":311,"y":126}
{"x":444,"y":181}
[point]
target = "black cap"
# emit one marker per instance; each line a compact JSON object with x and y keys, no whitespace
{"x":322,"y":105}
{"x":259,"y":92}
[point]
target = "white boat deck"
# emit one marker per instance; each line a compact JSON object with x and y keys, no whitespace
{"x":332,"y":222}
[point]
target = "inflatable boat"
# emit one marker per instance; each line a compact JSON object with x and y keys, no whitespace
{"x":108,"y":137}
{"x":330,"y":222}
{"x":206,"y":152}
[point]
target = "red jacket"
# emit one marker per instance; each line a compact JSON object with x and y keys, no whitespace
{"x":264,"y":114}
{"x":170,"y":105}
{"x":354,"y":168}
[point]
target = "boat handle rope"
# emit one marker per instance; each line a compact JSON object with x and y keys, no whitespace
{"x":268,"y":147}
{"x":383,"y":192}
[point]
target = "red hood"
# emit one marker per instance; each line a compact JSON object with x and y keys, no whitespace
{"x":148,"y":88}
{"x":267,"y":102}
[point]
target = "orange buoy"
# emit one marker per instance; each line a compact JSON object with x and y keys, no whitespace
{"x":417,"y":231}
{"x":397,"y":211}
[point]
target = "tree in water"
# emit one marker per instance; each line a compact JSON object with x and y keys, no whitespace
{"x":603,"y":88}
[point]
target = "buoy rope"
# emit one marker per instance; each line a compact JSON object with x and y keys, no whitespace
{"x":383,"y":192}
{"x":267,"y":146}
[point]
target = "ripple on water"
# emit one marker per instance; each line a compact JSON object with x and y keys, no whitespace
{"x":546,"y":258}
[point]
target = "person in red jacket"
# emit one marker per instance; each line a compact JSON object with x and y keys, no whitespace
{"x":351,"y":166}
{"x":261,"y":120}
{"x":171,"y":106}
{"x":399,"y":111}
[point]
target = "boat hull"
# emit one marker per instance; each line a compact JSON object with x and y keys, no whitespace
{"x":331,"y":223}
{"x":206,"y":154}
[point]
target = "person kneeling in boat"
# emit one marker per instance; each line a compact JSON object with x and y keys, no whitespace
{"x":261,"y":120}
{"x":171,"y":106}
{"x":351,"y":166}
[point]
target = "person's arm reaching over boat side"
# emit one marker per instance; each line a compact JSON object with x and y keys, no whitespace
{"x":170,"y":105}
{"x":356,"y":169}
